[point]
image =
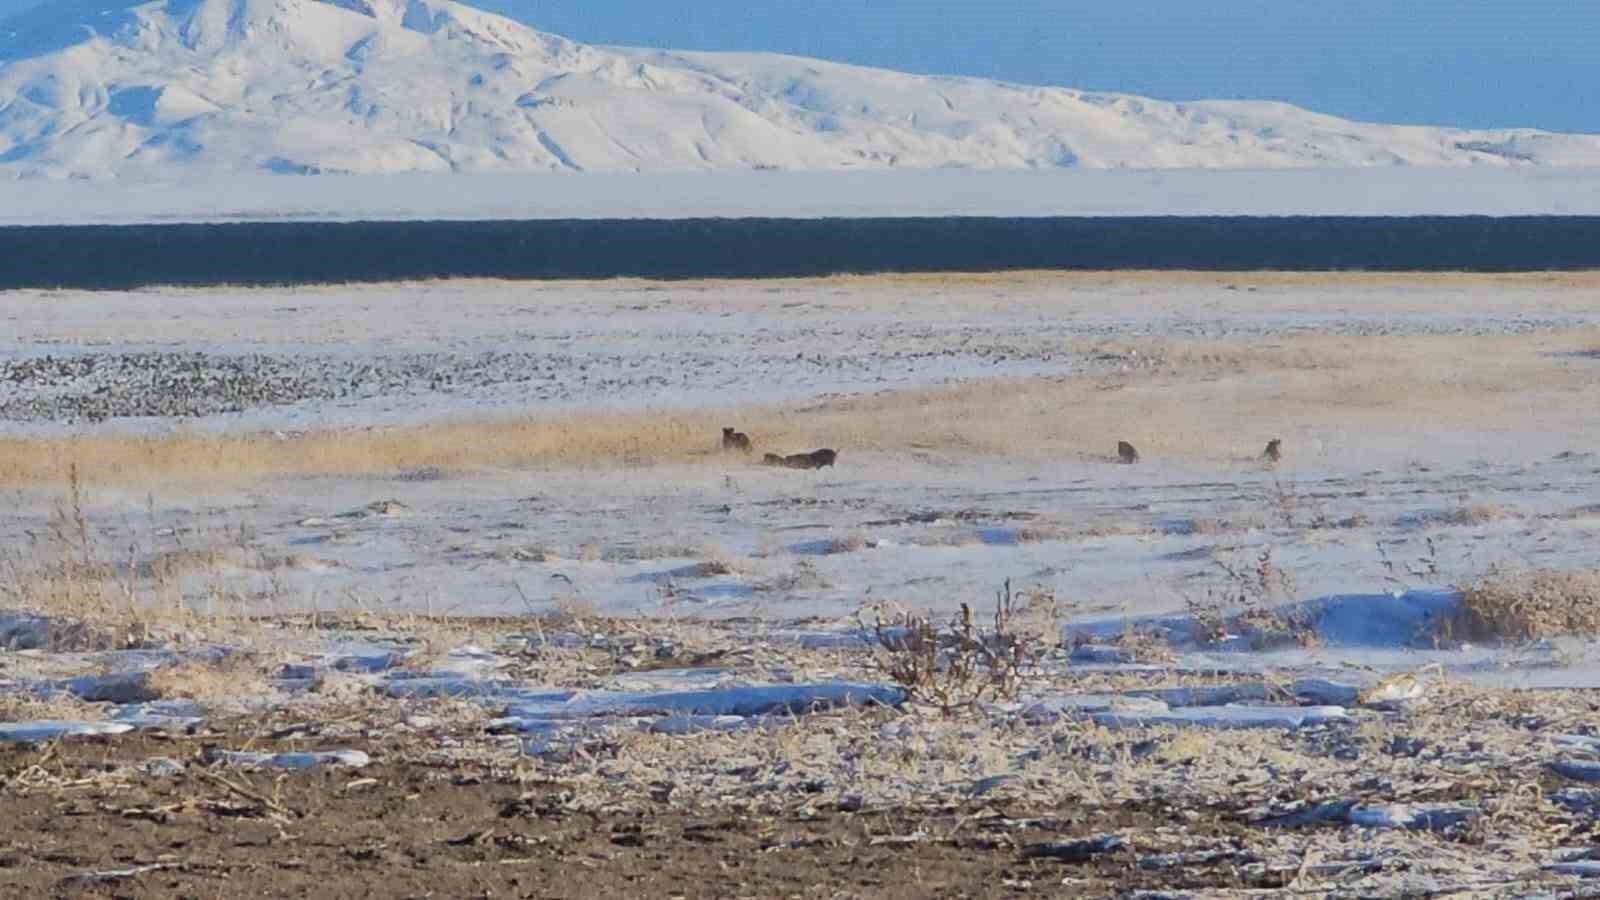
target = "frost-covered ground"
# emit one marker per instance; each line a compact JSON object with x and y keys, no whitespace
{"x":287,"y":360}
{"x":1100,"y":775}
{"x":308,"y":358}
{"x":924,"y":525}
{"x":671,"y":613}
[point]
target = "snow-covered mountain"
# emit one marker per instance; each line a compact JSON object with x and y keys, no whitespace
{"x":95,"y":88}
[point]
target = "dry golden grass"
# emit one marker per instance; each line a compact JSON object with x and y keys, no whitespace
{"x":21,"y":707}
{"x":1524,"y":605}
{"x":96,"y":596}
{"x":852,"y":542}
{"x":1477,"y":514}
{"x":1211,"y":527}
{"x":1201,"y":401}
{"x":231,"y":677}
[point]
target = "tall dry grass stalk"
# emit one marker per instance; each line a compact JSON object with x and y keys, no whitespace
{"x":64,"y":571}
{"x":96,"y":595}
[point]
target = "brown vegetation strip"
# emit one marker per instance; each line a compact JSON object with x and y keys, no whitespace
{"x":1193,"y":400}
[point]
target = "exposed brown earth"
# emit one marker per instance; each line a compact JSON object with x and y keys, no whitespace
{"x":411,"y":830}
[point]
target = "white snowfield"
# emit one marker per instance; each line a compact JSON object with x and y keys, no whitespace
{"x":876,"y":193}
{"x":108,"y":88}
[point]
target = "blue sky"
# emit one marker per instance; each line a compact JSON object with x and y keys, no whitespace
{"x":1476,"y":63}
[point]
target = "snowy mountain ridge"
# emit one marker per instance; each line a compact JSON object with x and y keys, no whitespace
{"x":173,"y":88}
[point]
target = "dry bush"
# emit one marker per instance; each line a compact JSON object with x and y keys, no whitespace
{"x":946,"y":538}
{"x":234,"y":676}
{"x":716,"y":562}
{"x":171,"y":565}
{"x":1526,"y":605}
{"x":645,"y":552}
{"x":1476,"y":514}
{"x":571,"y":610}
{"x":712,"y":568}
{"x":16,"y":706}
{"x":849,"y":543}
{"x":1210,"y":527}
{"x":1146,"y":646}
{"x":958,"y":664}
{"x":1112,"y":529}
{"x":537,"y":554}
{"x":803,"y":575}
{"x":1040,"y":532}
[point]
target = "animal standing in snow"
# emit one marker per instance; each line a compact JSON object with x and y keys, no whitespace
{"x":735,"y":440}
{"x":816,"y":459}
{"x":1126,"y":454}
{"x":1274,"y":451}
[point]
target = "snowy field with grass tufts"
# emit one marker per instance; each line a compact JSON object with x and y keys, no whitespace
{"x":489,"y":530}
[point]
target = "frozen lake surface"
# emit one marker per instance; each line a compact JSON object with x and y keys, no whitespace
{"x":1379,"y":191}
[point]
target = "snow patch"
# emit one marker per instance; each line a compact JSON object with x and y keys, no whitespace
{"x":1228,"y":716}
{"x":50,"y":729}
{"x":350,"y":759}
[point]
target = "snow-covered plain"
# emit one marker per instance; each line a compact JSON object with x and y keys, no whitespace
{"x":1372,"y":191}
{"x":1350,"y":514}
{"x":699,"y":617}
{"x":189,"y":87}
{"x":318,"y":357}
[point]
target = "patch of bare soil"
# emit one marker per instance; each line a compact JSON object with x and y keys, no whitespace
{"x":398,"y":829}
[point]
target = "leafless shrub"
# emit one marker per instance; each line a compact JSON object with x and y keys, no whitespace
{"x":960,"y":663}
{"x":1294,"y":510}
{"x":1250,"y":603}
{"x":1526,"y":605}
{"x":1400,"y":573}
{"x":1286,"y":505}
